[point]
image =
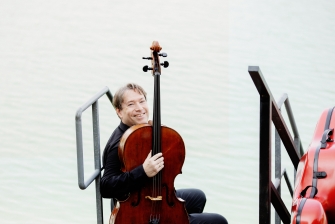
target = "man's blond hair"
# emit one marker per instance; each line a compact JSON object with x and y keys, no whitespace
{"x":118,"y":97}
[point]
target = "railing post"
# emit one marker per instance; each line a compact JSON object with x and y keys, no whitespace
{"x":278,"y":172}
{"x":97,"y":161}
{"x":265,"y":160}
{"x":277,"y":168}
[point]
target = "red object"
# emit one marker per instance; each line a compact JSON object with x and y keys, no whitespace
{"x":312,"y":212}
{"x":321,"y":207}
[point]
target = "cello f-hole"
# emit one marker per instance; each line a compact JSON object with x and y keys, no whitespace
{"x":136,"y":203}
{"x":168,"y":196}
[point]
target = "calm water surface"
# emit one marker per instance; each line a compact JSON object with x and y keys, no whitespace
{"x":55,"y":55}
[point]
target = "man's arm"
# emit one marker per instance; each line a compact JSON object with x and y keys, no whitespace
{"x":117,"y":184}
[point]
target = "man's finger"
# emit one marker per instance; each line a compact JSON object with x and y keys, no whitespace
{"x":149,"y":155}
{"x":158,"y":155}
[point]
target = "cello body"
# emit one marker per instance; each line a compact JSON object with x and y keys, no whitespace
{"x":316,"y":169}
{"x":134,"y":147}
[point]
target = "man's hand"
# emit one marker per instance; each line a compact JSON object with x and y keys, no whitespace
{"x":152,"y":165}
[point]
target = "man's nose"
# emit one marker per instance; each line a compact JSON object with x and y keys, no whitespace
{"x":138,"y":106}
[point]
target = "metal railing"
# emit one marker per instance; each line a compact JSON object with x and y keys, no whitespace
{"x":297,"y":142}
{"x":96,"y":175}
{"x":270,"y":112}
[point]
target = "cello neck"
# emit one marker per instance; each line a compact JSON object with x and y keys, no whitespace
{"x":156,"y":72}
{"x":156,"y":123}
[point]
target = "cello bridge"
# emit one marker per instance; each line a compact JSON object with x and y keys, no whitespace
{"x":158,"y":198}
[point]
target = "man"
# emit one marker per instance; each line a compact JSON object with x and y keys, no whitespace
{"x":131,"y":106}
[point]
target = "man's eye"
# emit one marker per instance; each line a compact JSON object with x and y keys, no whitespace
{"x":131,"y":104}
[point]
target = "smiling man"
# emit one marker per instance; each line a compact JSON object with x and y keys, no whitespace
{"x":131,"y":106}
{"x":133,"y":109}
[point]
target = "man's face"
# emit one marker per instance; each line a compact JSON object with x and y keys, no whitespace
{"x":134,"y":109}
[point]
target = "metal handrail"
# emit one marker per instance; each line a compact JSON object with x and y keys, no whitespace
{"x":96,"y":175}
{"x":278,"y":182}
{"x":270,"y":113}
{"x":297,"y":141}
{"x":285,"y":100}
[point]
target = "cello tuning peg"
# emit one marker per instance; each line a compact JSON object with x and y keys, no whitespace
{"x":163,"y":54}
{"x":146,"y":68}
{"x":165,"y":64}
{"x":149,"y":58}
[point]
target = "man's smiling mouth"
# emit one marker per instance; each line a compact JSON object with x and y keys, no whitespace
{"x":140,"y":115}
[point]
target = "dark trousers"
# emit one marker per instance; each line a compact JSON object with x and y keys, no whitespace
{"x":195,"y":201}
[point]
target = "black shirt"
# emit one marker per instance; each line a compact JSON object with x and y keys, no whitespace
{"x":114,"y":182}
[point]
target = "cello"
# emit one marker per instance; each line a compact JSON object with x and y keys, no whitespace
{"x":155,"y":202}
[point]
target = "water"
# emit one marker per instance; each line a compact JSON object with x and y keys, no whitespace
{"x":55,"y":55}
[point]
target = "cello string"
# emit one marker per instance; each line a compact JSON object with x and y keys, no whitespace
{"x":156,"y":191}
{"x":160,"y":191}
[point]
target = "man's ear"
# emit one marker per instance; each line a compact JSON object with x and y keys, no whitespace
{"x":118,"y":112}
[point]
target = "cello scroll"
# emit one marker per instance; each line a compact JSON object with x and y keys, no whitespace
{"x":155,"y":64}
